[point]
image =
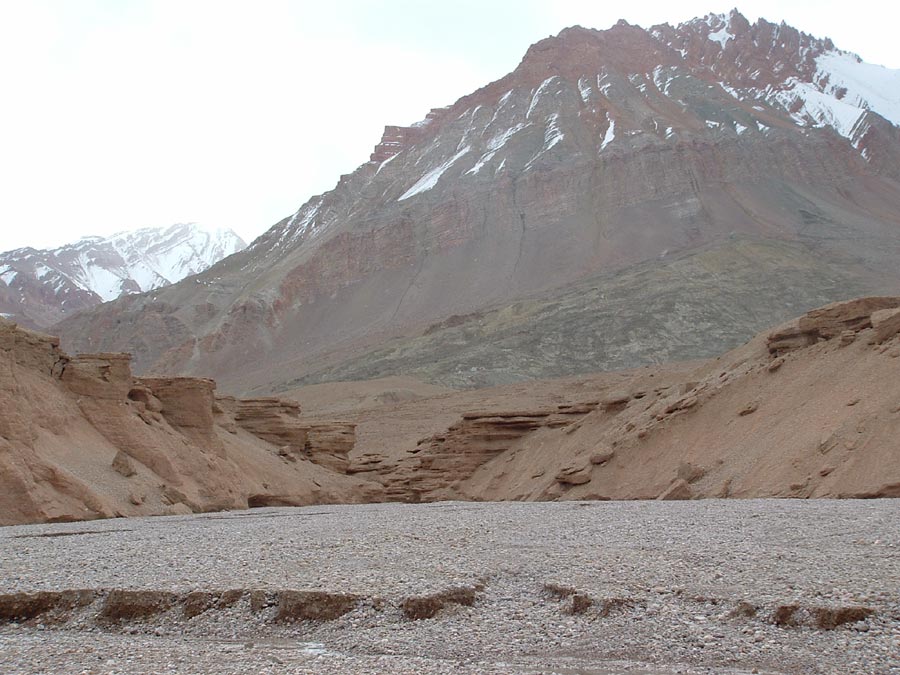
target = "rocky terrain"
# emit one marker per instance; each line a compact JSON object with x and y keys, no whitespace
{"x":809,"y":409}
{"x":81,"y":438}
{"x":733,"y":587}
{"x":40,"y":287}
{"x":622,"y":197}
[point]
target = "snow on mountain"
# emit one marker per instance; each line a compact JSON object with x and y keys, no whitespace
{"x":42,"y":286}
{"x":848,"y":79}
{"x":815,"y":83}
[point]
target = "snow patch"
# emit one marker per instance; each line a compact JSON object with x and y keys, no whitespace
{"x":552,"y":134}
{"x":495,"y":144}
{"x":663,"y":78}
{"x":537,"y":95}
{"x":430,"y":179}
{"x":822,"y":109}
{"x":721,"y":36}
{"x":104,"y":283}
{"x":610,"y":134}
{"x":383,"y":164}
{"x":860,"y":84}
{"x":585,"y":89}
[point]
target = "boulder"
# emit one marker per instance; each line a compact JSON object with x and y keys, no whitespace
{"x":575,"y":474}
{"x":678,"y":490}
{"x":886,"y":323}
{"x":123,"y":465}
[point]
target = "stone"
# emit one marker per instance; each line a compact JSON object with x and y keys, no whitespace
{"x":690,"y":473}
{"x":678,"y":490}
{"x":775,"y":364}
{"x":886,"y":323}
{"x":602,"y":456}
{"x":123,"y":465}
{"x":575,"y":474}
{"x":615,"y":401}
{"x":749,"y":408}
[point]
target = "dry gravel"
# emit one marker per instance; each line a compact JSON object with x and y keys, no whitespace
{"x":657,"y":588}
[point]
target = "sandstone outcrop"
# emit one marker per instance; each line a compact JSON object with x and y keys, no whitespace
{"x":97,"y":442}
{"x":81,"y":438}
{"x":437,"y":463}
{"x":839,"y":319}
{"x":278,"y":421}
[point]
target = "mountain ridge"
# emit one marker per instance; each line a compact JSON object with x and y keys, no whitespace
{"x":41,"y":286}
{"x":600,"y":151}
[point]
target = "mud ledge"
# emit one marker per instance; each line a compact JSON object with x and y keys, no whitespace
{"x":111,"y":608}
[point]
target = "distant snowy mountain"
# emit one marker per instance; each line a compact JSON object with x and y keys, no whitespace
{"x":40,"y":287}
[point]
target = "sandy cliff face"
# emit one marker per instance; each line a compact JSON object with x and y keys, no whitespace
{"x":603,"y":154}
{"x":81,"y":438}
{"x":810,"y":409}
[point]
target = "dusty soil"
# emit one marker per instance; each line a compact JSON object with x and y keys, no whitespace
{"x":736,"y":586}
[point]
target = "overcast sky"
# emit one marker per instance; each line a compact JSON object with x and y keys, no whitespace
{"x":118,"y":114}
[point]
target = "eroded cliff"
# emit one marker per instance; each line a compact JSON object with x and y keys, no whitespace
{"x":81,"y":438}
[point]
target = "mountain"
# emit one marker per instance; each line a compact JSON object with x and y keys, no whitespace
{"x":622,"y":197}
{"x":40,"y":287}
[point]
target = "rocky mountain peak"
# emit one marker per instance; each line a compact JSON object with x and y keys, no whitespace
{"x":602,"y":150}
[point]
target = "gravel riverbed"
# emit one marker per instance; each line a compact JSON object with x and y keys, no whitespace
{"x":755,"y":586}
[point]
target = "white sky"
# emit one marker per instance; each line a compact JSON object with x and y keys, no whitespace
{"x":118,"y":114}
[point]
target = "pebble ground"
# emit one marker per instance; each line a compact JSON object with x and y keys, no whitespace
{"x":653,"y":588}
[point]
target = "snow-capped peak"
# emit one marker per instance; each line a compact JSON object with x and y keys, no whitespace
{"x":97,"y":269}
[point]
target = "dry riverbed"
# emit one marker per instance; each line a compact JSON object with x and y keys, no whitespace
{"x":767,"y":586}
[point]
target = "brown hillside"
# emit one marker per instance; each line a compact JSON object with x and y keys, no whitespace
{"x":810,"y":409}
